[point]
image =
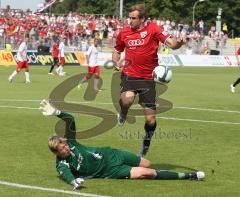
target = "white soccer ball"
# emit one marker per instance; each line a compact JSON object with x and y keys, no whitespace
{"x":162,"y":74}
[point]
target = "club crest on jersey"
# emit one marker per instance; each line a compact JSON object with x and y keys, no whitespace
{"x":80,"y":158}
{"x":143,"y":34}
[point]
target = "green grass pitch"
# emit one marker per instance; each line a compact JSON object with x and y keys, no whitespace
{"x":205,"y":113}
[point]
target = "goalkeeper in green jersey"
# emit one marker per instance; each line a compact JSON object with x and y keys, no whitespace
{"x":75,"y":162}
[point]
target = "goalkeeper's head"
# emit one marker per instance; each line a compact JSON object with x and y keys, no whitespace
{"x":58,"y":145}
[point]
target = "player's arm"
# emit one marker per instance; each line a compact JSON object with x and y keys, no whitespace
{"x":165,"y":38}
{"x":70,"y":128}
{"x":88,"y":54}
{"x":116,"y":59}
{"x":66,"y":174}
{"x":118,"y":49}
{"x":48,"y":110}
{"x":238,"y":56}
{"x":175,"y":44}
{"x":52,"y":50}
{"x":22,"y":52}
{"x":60,"y":47}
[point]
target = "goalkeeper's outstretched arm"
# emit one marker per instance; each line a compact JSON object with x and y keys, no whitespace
{"x":48,"y":110}
{"x":70,"y":128}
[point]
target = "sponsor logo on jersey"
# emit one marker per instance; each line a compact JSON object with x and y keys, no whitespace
{"x":136,"y":42}
{"x":80,"y":159}
{"x":96,"y":155}
{"x":143,"y":34}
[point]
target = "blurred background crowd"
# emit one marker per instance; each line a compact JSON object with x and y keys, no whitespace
{"x":80,"y":29}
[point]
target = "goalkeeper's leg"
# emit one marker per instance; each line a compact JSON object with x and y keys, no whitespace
{"x":141,"y":172}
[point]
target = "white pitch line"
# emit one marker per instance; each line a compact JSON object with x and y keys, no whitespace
{"x":204,"y":109}
{"x":17,"y":107}
{"x":195,"y":120}
{"x":160,"y":117}
{"x":19,"y":100}
{"x":109,"y":103}
{"x":49,"y":189}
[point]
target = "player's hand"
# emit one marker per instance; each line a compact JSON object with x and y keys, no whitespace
{"x":47,"y":109}
{"x":77,"y":183}
{"x":182,"y":39}
{"x":118,"y":67}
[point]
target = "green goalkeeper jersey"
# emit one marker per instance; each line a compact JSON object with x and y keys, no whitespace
{"x":84,"y":161}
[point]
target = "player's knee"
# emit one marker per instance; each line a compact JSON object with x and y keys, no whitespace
{"x":145,"y":163}
{"x":127,"y":100}
{"x":150,"y":120}
{"x":89,"y":75}
{"x":97,"y":76}
{"x":137,"y":172}
{"x":141,"y":172}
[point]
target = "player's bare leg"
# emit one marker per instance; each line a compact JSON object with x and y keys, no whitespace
{"x":85,"y":79}
{"x":14,"y":73}
{"x":127,"y":99}
{"x":144,"y":163}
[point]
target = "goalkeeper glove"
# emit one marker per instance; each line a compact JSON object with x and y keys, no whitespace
{"x":47,"y":109}
{"x":77,"y":183}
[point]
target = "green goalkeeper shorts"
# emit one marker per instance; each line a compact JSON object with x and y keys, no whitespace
{"x":120,"y":164}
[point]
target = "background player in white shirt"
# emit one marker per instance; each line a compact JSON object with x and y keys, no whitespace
{"x":93,"y":68}
{"x":61,"y":48}
{"x":22,"y":61}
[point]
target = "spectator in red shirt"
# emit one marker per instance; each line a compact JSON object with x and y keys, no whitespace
{"x":140,"y":41}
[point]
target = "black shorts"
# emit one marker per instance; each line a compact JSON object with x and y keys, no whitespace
{"x":145,"y":89}
{"x":55,"y":60}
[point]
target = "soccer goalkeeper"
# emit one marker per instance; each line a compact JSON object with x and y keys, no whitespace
{"x":75,"y":162}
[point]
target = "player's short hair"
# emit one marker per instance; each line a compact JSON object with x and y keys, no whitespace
{"x":27,"y":37}
{"x":141,"y":9}
{"x":54,"y":141}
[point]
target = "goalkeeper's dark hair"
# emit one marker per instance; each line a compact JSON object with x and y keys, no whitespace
{"x":141,"y":9}
{"x":54,"y":141}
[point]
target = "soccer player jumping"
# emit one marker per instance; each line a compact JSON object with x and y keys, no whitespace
{"x":140,"y":41}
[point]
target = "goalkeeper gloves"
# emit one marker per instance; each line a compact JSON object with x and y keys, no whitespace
{"x":77,"y":183}
{"x":47,"y":109}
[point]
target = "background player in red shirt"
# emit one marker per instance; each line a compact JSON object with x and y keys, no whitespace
{"x":140,"y":41}
{"x":55,"y":53}
{"x":233,"y":86}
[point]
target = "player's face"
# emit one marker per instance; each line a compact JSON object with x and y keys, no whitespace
{"x":95,"y":43}
{"x":65,"y":40}
{"x":135,"y":21}
{"x":63,"y":150}
{"x":26,"y":40}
